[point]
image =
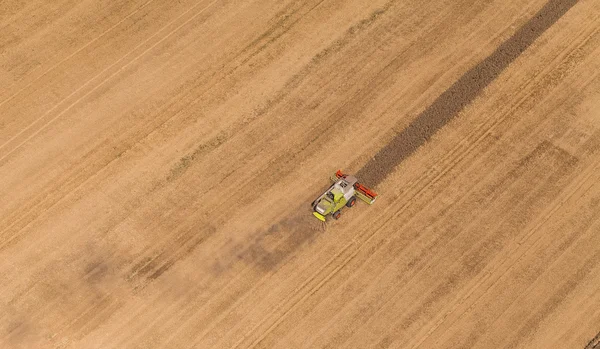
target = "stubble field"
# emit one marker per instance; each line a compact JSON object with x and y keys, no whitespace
{"x":158,"y":160}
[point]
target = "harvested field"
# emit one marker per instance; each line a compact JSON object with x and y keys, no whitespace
{"x":158,"y":160}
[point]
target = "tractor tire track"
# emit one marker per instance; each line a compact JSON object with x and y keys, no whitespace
{"x":104,"y":80}
{"x":481,"y":76}
{"x":183,"y":265}
{"x":261,"y":256}
{"x":187,"y":93}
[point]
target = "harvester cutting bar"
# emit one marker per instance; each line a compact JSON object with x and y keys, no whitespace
{"x":371,"y":195}
{"x":365,"y":194}
{"x":362,"y":192}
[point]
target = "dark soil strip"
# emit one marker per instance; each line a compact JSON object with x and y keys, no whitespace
{"x":460,"y":94}
{"x":594,"y":343}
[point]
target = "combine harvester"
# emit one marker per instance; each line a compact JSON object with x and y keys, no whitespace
{"x":343,"y":192}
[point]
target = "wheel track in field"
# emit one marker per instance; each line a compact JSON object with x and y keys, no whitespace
{"x":320,"y":56}
{"x":115,"y":66}
{"x":381,"y":80}
{"x":525,"y":245}
{"x":56,"y":65}
{"x":220,"y":74}
{"x":189,"y":89}
{"x":571,"y":57}
{"x":148,"y":266}
{"x":283,"y":23}
{"x":184,"y":243}
{"x":414,"y":136}
{"x":336,"y":46}
{"x":446,"y":239}
{"x":151,"y":267}
{"x":281,"y":258}
{"x":283,"y":245}
{"x":487,"y":131}
{"x":331,"y":274}
{"x":295,"y":83}
{"x":327,"y":52}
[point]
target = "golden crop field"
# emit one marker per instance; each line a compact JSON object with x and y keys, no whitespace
{"x":158,"y":160}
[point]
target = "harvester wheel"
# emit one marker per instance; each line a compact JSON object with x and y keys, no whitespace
{"x":336,"y":214}
{"x":351,"y":202}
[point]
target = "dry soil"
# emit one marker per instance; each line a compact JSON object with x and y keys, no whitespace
{"x":158,"y":160}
